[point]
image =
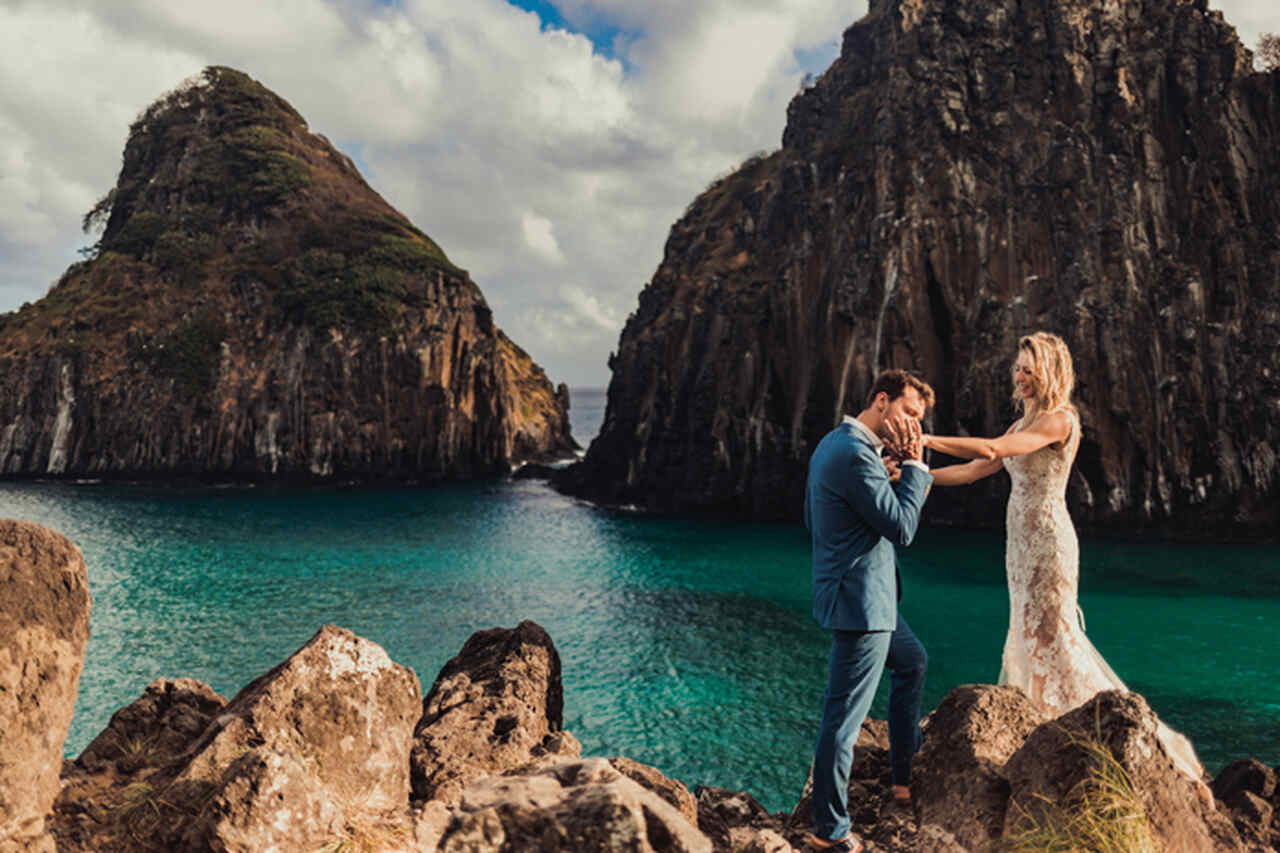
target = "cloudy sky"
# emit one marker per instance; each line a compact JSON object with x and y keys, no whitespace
{"x":547,"y":145}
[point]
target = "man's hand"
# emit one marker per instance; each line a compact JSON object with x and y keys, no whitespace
{"x":894,"y":467}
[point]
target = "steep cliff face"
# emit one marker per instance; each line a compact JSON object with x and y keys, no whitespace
{"x":967,"y":172}
{"x":255,"y":309}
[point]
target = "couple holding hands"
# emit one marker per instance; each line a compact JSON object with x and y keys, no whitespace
{"x":860,"y":504}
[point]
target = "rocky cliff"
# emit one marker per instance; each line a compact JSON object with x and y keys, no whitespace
{"x":255,"y":310}
{"x":963,"y":174}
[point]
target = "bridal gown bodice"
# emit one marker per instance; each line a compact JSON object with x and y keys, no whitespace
{"x":1046,"y":651}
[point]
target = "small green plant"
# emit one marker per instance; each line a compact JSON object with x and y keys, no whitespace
{"x":181,"y":257}
{"x":99,"y":213}
{"x":138,"y":809}
{"x":275,"y":176}
{"x":1100,"y":814}
{"x":324,"y":289}
{"x":139,"y":234}
{"x":408,"y":254}
{"x":191,"y":352}
{"x":131,"y":747}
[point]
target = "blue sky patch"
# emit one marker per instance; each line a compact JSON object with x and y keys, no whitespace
{"x":602,"y":34}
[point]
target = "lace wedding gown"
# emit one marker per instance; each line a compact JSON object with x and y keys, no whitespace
{"x":1046,"y":652}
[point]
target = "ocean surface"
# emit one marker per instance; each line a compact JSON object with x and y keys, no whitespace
{"x":687,"y":645}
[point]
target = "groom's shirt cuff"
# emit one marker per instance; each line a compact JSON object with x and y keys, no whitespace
{"x":917,"y":463}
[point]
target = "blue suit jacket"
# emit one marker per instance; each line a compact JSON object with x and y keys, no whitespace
{"x":855,"y":515}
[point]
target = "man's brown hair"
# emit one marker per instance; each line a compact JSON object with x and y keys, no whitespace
{"x":895,"y":383}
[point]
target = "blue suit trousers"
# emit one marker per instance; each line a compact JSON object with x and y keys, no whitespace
{"x":857,"y":661}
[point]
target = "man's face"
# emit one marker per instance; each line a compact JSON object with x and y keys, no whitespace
{"x":909,"y":405}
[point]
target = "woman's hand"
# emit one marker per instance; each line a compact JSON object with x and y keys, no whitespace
{"x":904,"y":438}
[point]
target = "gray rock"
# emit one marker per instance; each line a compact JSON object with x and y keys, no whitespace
{"x":430,"y":821}
{"x":1245,"y":774}
{"x":1050,"y":766}
{"x":44,"y":627}
{"x":934,"y":839}
{"x":105,"y":790}
{"x":722,"y":812}
{"x":743,"y":839}
{"x":957,"y":781}
{"x":155,"y":728}
{"x":1254,"y":810}
{"x":314,"y":752}
{"x":495,"y":707}
{"x":671,"y":790}
{"x":575,"y":807}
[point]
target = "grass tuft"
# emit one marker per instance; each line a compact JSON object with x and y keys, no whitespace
{"x":369,"y":827}
{"x":1100,"y":814}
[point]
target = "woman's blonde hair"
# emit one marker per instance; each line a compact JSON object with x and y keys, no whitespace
{"x":1051,"y":367}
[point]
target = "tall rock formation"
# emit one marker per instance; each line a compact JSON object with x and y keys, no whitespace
{"x":965,"y":173}
{"x":44,"y":627}
{"x":255,"y":310}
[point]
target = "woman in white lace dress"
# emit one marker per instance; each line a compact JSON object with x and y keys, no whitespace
{"x":1046,"y":652}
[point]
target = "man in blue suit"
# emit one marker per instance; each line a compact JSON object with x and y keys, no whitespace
{"x":856,"y":514}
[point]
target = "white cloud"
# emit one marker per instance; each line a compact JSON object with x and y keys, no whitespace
{"x":550,"y":169}
{"x":587,"y":307}
{"x":539,"y":236}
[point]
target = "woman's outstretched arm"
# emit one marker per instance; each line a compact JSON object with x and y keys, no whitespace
{"x":960,"y":475}
{"x":1048,"y":428}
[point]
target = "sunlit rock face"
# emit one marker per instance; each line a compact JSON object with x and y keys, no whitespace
{"x":966,"y":173}
{"x":44,"y":628}
{"x":255,"y":310}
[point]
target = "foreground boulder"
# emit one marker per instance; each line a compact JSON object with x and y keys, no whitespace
{"x":105,"y":788}
{"x":735,"y":821}
{"x":155,"y":728}
{"x":1249,"y":789}
{"x":315,"y":746}
{"x":572,"y":806}
{"x":313,"y":753}
{"x":495,"y":707}
{"x":44,"y":627}
{"x":957,"y":778}
{"x":870,"y":803}
{"x":1059,"y":760}
{"x":672,"y":790}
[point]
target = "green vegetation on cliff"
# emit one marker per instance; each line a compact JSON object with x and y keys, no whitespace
{"x":222,"y":180}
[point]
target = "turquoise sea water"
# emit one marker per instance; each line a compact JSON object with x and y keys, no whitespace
{"x":686,"y":644}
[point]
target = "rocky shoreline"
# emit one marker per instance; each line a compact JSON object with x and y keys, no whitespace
{"x":336,"y":748}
